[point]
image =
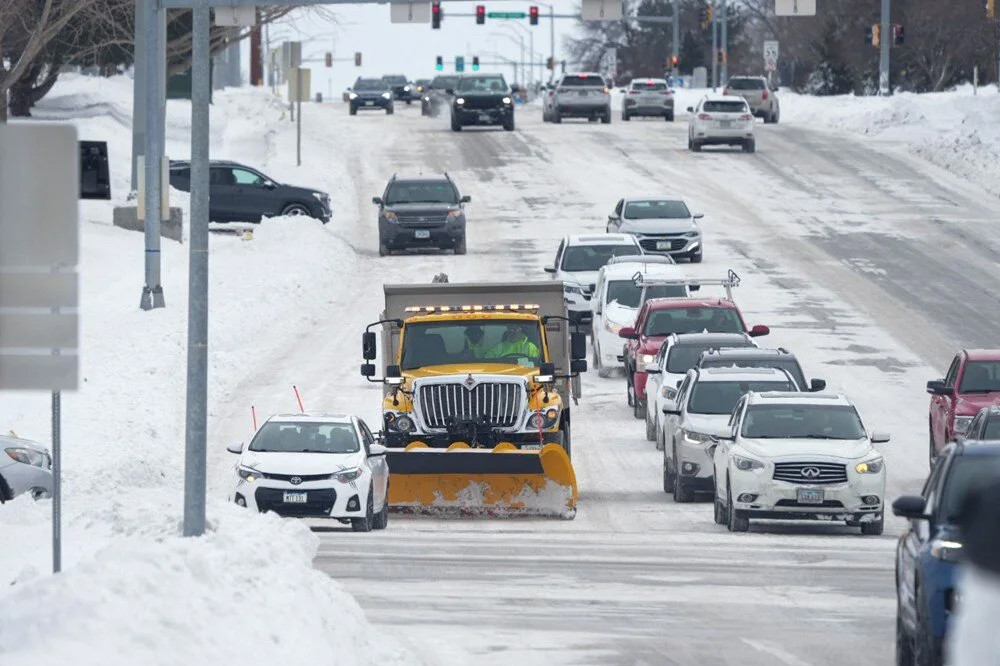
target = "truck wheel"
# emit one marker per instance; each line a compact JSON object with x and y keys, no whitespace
{"x":383,"y":249}
{"x":932,"y":453}
{"x":389,"y":110}
{"x":353,"y":111}
{"x":567,"y":438}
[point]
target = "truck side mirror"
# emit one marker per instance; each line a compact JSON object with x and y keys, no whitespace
{"x":368,"y":370}
{"x":368,"y":345}
{"x":937,"y":387}
{"x":817,"y":384}
{"x":578,"y":345}
{"x":628,"y":333}
{"x":578,"y":365}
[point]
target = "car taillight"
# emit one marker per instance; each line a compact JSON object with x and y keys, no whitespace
{"x":746,"y":116}
{"x":634,"y":92}
{"x":704,"y":116}
{"x":763,"y":95}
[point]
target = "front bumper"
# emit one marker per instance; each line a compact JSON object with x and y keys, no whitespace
{"x":779,"y":499}
{"x":324,"y":499}
{"x":22,"y":478}
{"x":397,"y":236}
{"x":378,"y":103}
{"x":491,"y":116}
{"x":694,"y":463}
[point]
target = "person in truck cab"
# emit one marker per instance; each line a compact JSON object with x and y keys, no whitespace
{"x":515,"y":342}
{"x":474,"y":342}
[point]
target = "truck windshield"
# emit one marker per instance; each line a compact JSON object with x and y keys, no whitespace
{"x":702,"y":319}
{"x":627,"y":294}
{"x":509,"y":341}
{"x":980,"y":377}
{"x":482,"y":84}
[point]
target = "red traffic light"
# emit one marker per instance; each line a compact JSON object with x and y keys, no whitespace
{"x":674,"y":60}
{"x":480,"y":14}
{"x":533,"y":15}
{"x":436,"y":15}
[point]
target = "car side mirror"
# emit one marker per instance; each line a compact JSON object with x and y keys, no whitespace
{"x":465,"y":199}
{"x":759,"y":330}
{"x":671,"y":411}
{"x":235,"y":448}
{"x":910,"y":506}
{"x":612,"y":217}
{"x":376,"y":450}
{"x":270,"y":185}
{"x":690,"y":109}
{"x":880,"y":437}
{"x":578,"y":345}
{"x":377,"y":201}
{"x":577,"y":365}
{"x":698,"y":216}
{"x":368,"y":346}
{"x":694,"y":287}
{"x":550,"y":269}
{"x":817,"y":385}
{"x":937,"y":387}
{"x":628,"y":333}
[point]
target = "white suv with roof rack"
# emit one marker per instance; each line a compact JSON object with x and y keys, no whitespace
{"x":798,"y":456}
{"x":577,"y":262}
{"x":721,"y":120}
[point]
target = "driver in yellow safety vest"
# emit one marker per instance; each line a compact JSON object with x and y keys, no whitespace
{"x":475,"y":342}
{"x":515,"y":342}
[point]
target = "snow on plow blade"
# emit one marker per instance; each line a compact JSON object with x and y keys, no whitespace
{"x":501,"y":480}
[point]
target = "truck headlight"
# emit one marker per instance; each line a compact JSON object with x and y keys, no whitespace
{"x":347,"y":475}
{"x":962,"y":424}
{"x":947,"y":551}
{"x":402,"y":423}
{"x":544,"y":419}
{"x":648,"y":358}
{"x":870,"y":466}
{"x":454,"y":214}
{"x":747,"y":464}
{"x":506,"y":100}
{"x":573,"y":289}
{"x":250,"y":475}
{"x":612,"y":327}
{"x":460,"y":101}
{"x":390,"y":216}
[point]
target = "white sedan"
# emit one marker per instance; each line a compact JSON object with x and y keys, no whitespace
{"x":798,"y":456}
{"x":721,"y":120}
{"x":314,"y":466}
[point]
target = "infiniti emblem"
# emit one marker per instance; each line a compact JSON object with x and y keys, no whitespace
{"x":296,"y":480}
{"x":810,"y":472}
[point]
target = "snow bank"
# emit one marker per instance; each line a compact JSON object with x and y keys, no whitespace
{"x":956,"y":130}
{"x":132,"y":590}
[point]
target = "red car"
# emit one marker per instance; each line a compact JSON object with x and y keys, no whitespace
{"x":972,"y":382}
{"x":658,"y":318}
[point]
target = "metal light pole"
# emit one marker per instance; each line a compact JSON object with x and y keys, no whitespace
{"x":883,"y":64}
{"x":152,"y":15}
{"x":715,"y":49}
{"x":677,"y":35}
{"x":725,"y":43}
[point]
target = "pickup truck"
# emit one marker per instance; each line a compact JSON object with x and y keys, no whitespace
{"x":972,"y":382}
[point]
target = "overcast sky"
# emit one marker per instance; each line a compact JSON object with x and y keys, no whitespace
{"x":395,"y":48}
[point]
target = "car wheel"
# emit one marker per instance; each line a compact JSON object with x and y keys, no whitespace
{"x":5,"y":492}
{"x":690,"y":143}
{"x":776,"y":117}
{"x":365,"y":524}
{"x":295,"y":209}
{"x":606,"y":118}
{"x":749,"y":146}
{"x":460,"y":246}
{"x":382,"y":517}
{"x":669,"y":478}
{"x":353,"y":111}
{"x":383,"y":250}
{"x":670,"y":117}
{"x":508,"y":125}
{"x":904,"y":644}
{"x":625,"y":116}
{"x":926,"y":649}
{"x":718,"y":509}
{"x":389,"y":110}
{"x":455,"y":125}
{"x":409,"y":102}
{"x":602,"y":370}
{"x":650,"y":429}
{"x":873,"y":528}
{"x":696,"y":146}
{"x":638,"y":407}
{"x":683,"y":494}
{"x":735,"y":520}
{"x":695,"y":258}
{"x":556,"y":116}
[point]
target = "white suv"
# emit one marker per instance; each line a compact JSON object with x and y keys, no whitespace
{"x":705,"y":401}
{"x":615,"y":303}
{"x":721,"y":120}
{"x":798,"y":456}
{"x":678,"y":354}
{"x":578,"y":260}
{"x":580,"y":95}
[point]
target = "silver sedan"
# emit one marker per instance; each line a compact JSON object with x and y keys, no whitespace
{"x":25,"y":467}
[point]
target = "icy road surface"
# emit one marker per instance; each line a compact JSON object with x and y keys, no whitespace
{"x":872,"y":265}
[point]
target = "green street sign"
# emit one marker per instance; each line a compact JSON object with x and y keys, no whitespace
{"x":506,"y":15}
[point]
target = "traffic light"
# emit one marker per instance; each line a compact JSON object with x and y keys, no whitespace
{"x":533,"y":14}
{"x":475,"y":63}
{"x":991,"y":9}
{"x":721,"y":56}
{"x":436,"y":16}
{"x":709,"y":13}
{"x":675,"y":61}
{"x":550,"y":63}
{"x":459,"y":63}
{"x":897,"y":34}
{"x":480,"y":14}
{"x":439,"y":63}
{"x":329,"y":59}
{"x":876,"y":35}
{"x":357,"y":58}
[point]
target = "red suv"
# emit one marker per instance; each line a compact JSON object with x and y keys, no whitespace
{"x":658,"y":318}
{"x":972,"y":382}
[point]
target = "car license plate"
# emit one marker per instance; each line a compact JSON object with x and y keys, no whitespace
{"x":663,"y":245}
{"x":369,"y":103}
{"x":422,"y":233}
{"x":295,"y":498}
{"x":809,"y":496}
{"x":725,"y":123}
{"x":484,"y":118}
{"x":583,"y":93}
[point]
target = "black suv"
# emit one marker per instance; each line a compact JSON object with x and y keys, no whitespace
{"x":482,"y":99}
{"x":438,"y":94}
{"x":374,"y":94}
{"x":239,"y":193}
{"x":421,"y":212}
{"x":751,"y":357}
{"x":401,"y":88}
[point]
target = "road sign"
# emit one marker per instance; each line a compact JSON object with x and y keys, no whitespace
{"x":39,"y":188}
{"x":795,"y":7}
{"x":410,"y":12}
{"x":299,"y":84}
{"x":770,"y":56}
{"x":236,"y":16}
{"x":601,"y":10}
{"x":506,"y":15}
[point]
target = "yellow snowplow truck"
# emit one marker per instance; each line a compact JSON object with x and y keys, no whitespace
{"x":478,"y":380}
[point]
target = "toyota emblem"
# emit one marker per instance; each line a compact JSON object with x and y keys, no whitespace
{"x":296,"y":480}
{"x":810,"y":472}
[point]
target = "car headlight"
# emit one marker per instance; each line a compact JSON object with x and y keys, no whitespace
{"x":697,"y":438}
{"x":648,"y":358}
{"x":747,"y":464}
{"x":612,"y":327}
{"x":460,"y":100}
{"x":573,"y":289}
{"x":251,"y":475}
{"x":948,"y":551}
{"x":427,"y":99}
{"x":26,"y":456}
{"x":347,"y":475}
{"x":546,"y":419}
{"x":353,"y":96}
{"x":390,"y":216}
{"x":387,"y":95}
{"x":455,"y":214}
{"x":692,"y":234}
{"x":506,"y":100}
{"x":870,"y":466}
{"x":401,"y":423}
{"x":962,"y":424}
{"x":406,"y":88}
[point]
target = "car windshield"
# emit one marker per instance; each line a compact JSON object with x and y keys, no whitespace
{"x":658,"y":209}
{"x":444,"y":82}
{"x":394,"y":79}
{"x":649,"y":85}
{"x":509,"y":341}
{"x":746,"y":84}
{"x":580,"y":80}
{"x":486,"y":84}
{"x":627,"y":294}
{"x":802,"y":421}
{"x":699,"y":319}
{"x":724,"y":107}
{"x":306,"y":437}
{"x":791,"y":366}
{"x":721,"y":397}
{"x":421,"y":191}
{"x":683,"y":357}
{"x":980,"y":377}
{"x":592,"y":257}
{"x":371,"y":84}
{"x":967,"y":474}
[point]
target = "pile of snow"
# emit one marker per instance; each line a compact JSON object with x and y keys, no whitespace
{"x":132,"y":589}
{"x":956,"y":130}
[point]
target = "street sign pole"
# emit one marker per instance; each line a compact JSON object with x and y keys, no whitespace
{"x":886,"y":43}
{"x":676,"y":36}
{"x":56,"y":482}
{"x":715,"y":49}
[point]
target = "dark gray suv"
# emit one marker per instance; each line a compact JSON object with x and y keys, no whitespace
{"x":421,"y":212}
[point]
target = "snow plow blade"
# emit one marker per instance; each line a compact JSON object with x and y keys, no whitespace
{"x":503,"y":480}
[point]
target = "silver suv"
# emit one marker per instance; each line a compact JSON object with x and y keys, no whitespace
{"x":581,"y":95}
{"x":762,"y":98}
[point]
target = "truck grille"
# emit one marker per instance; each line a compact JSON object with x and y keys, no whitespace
{"x":423,"y":220}
{"x":810,"y":472}
{"x":500,"y":402}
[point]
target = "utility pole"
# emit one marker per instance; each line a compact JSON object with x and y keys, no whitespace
{"x":885,"y":45}
{"x":715,"y":48}
{"x":298,"y":114}
{"x":552,"y":42}
{"x":725,"y":44}
{"x":677,"y":35}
